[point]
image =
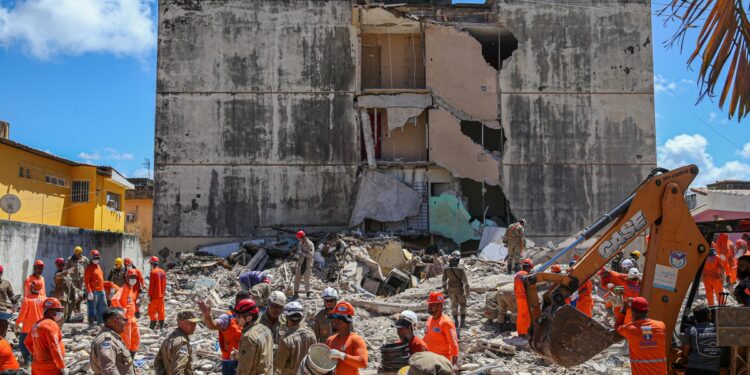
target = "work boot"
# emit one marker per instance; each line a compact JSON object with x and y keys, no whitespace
{"x":152,"y":325}
{"x":463,"y":321}
{"x":509,"y":271}
{"x":161,"y":325}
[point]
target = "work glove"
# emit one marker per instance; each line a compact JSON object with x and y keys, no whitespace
{"x":90,"y":296}
{"x":234,"y":355}
{"x":335,"y":354}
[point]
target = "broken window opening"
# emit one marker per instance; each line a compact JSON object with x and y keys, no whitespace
{"x":486,"y":202}
{"x":376,"y":126}
{"x":392,"y":61}
{"x":407,"y":143}
{"x":490,"y":139}
{"x":497,"y":45}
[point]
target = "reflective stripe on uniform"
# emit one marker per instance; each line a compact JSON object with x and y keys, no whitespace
{"x":648,"y":360}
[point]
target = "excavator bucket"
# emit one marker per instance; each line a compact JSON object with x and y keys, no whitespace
{"x":569,"y":337}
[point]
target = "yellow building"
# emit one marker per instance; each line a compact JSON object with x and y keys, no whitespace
{"x":139,"y":210}
{"x":57,"y":191}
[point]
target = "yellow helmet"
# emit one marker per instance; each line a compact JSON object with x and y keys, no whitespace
{"x":118,"y":262}
{"x":77,"y":250}
{"x":635,"y":253}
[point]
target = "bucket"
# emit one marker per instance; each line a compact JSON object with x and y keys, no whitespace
{"x":317,"y":360}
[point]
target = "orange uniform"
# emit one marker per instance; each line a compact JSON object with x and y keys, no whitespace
{"x":27,"y":282}
{"x":157,"y":287}
{"x":417,"y":345}
{"x":726,"y":254}
{"x":7,"y":359}
{"x":713,"y":278}
{"x":138,"y":287}
{"x":355,"y":349}
{"x":46,"y":345}
{"x":523,"y":320}
{"x":648,"y":346}
{"x":440,"y":336}
{"x":585,"y":302}
{"x":125,"y":299}
{"x":93,"y":278}
{"x":110,"y":289}
{"x":31,"y":312}
{"x":229,"y":337}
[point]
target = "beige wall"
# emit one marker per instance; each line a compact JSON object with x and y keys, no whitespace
{"x":142,"y":210}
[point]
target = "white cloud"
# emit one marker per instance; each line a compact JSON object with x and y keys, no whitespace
{"x":49,"y":27}
{"x":90,"y":156}
{"x":691,"y":149}
{"x":664,"y":85}
{"x":745,"y":152}
{"x":141,"y":173}
{"x":713,"y":117}
{"x":107,"y":154}
{"x":112,"y":154}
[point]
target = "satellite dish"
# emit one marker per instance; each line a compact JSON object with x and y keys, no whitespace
{"x":10,"y":203}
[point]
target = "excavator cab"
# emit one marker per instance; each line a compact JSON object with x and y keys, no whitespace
{"x":674,"y":256}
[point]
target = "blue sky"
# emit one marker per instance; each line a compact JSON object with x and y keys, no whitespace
{"x":77,"y":78}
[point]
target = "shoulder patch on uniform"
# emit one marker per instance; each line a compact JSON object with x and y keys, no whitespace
{"x":106,"y":345}
{"x":183,"y":349}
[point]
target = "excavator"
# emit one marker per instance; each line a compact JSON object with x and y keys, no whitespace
{"x":674,"y":260}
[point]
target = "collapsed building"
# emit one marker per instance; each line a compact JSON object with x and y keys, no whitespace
{"x":409,"y":117}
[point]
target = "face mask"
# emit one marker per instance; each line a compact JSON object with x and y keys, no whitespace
{"x":95,"y":261}
{"x":132,"y":282}
{"x":58,"y":316}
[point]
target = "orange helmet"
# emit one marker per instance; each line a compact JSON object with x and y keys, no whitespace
{"x":127,"y":262}
{"x":343,"y":311}
{"x":556,"y":268}
{"x":436,"y":297}
{"x":527,"y":263}
{"x":35,"y":286}
{"x":154,"y":259}
{"x":300,"y":234}
{"x":52,"y":303}
{"x":95,"y":253}
{"x":38,"y":263}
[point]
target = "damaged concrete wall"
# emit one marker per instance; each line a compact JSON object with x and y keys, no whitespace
{"x":255,"y":117}
{"x":383,"y":198}
{"x":577,"y":107}
{"x":456,"y":152}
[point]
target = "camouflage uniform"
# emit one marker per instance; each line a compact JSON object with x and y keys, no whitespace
{"x":109,"y":356}
{"x":175,"y":355}
{"x":321,"y":326}
{"x":7,"y":299}
{"x":65,"y":292}
{"x":117,"y":276}
{"x":292,"y":350}
{"x":457,"y":286}
{"x":260,"y":293}
{"x":305,"y":251}
{"x":256,"y":351}
{"x":515,"y":238}
{"x":273,"y":327}
{"x":429,"y":363}
{"x":79,"y":267}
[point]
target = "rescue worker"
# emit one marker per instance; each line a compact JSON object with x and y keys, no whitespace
{"x":440,"y":332}
{"x":305,"y":252}
{"x":515,"y":239}
{"x":713,"y":276}
{"x":741,"y":245}
{"x":626,"y":265}
{"x":320,"y":323}
{"x":635,"y":255}
{"x":8,"y":362}
{"x":255,"y":354}
{"x":261,"y":291}
{"x":109,"y":354}
{"x":32,"y":310}
{"x":138,"y":286}
{"x":77,"y":263}
{"x":347,"y":347}
{"x":8,"y":299}
{"x":93,"y":279}
{"x":110,"y":289}
{"x":456,"y":284}
{"x":616,"y":262}
{"x":117,"y":274}
{"x":523,"y":320}
{"x":270,"y":318}
{"x":585,"y":300}
{"x":175,"y":355}
{"x":506,"y":307}
{"x":699,"y":347}
{"x":64,"y":290}
{"x":405,"y":327}
{"x":613,"y":298}
{"x":555,"y":268}
{"x":45,"y":341}
{"x":229,"y":332}
{"x":295,"y":344}
{"x":428,"y":363}
{"x":36,"y":275}
{"x":125,"y":299}
{"x":725,"y":254}
{"x":646,"y":339}
{"x":250,"y":279}
{"x":157,"y":288}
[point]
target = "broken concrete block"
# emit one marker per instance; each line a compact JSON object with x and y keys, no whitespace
{"x":383,"y":198}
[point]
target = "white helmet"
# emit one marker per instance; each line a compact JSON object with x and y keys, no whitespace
{"x":456,"y":254}
{"x":627,"y":264}
{"x":634,"y":273}
{"x":277,"y":297}
{"x":330,"y":293}
{"x":411,"y":316}
{"x":294,"y":308}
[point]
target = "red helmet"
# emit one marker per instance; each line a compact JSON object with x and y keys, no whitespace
{"x":132,"y":273}
{"x":59,"y":262}
{"x":556,"y":268}
{"x":527,"y":263}
{"x":154,"y":259}
{"x":52,"y":303}
{"x":436,"y":297}
{"x":35,"y":285}
{"x":639,"y":304}
{"x":300,"y":234}
{"x":1,"y":268}
{"x":247,"y":306}
{"x":95,"y":253}
{"x":38,"y":263}
{"x":127,"y":261}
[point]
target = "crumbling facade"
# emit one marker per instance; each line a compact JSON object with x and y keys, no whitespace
{"x":409,"y":116}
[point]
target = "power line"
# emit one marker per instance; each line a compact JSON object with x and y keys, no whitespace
{"x":706,"y":124}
